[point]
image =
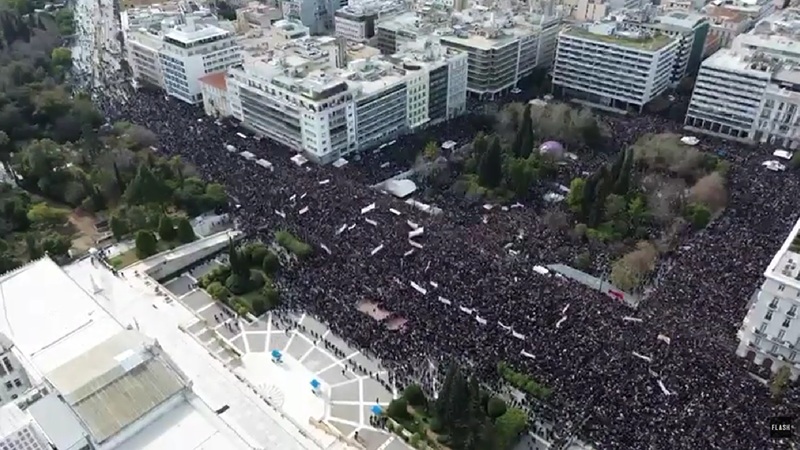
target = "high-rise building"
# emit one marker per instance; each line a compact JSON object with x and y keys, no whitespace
{"x":357,"y":21}
{"x":770,"y":332}
{"x":177,"y":58}
{"x":607,"y":65}
{"x":750,"y":91}
{"x":19,"y":431}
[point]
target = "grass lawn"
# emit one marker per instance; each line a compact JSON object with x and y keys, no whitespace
{"x":126,"y":259}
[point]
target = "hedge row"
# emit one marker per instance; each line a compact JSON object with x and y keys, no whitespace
{"x":523,"y":382}
{"x":292,"y":244}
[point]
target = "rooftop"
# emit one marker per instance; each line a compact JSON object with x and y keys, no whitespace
{"x":58,"y":422}
{"x":190,"y":33}
{"x":785,"y":265}
{"x":215,"y":80}
{"x":116,"y":382}
{"x":733,"y":60}
{"x":50,"y":323}
{"x":12,"y":419}
{"x":608,"y":33}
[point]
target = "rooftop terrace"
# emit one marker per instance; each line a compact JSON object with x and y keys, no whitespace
{"x":647,"y":42}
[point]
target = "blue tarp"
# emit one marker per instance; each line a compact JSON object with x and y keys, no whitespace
{"x":377,"y":410}
{"x":315,"y":384}
{"x":276,"y":354}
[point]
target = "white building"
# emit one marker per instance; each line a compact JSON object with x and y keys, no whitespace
{"x":317,"y":15}
{"x":214,"y":88}
{"x":503,"y":44}
{"x":19,"y":431}
{"x":14,"y":381}
{"x":770,"y":333}
{"x":306,"y":98}
{"x":357,"y":21}
{"x":606,"y":66}
{"x":177,"y":58}
{"x":751,"y":92}
{"x":102,"y":385}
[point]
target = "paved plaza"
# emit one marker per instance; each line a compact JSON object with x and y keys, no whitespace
{"x":346,"y":398}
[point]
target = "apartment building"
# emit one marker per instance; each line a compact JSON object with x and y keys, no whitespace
{"x":770,"y":332}
{"x":177,"y":58}
{"x":609,"y":66}
{"x":751,"y":92}
{"x":302,"y":99}
{"x":356,"y":22}
{"x":503,"y":45}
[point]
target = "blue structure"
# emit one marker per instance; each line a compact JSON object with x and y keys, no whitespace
{"x":315,"y":384}
{"x":276,"y":355}
{"x":377,"y":410}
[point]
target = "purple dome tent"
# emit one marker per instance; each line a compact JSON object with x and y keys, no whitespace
{"x":552,"y":148}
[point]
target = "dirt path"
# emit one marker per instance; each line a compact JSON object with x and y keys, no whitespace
{"x":87,"y":234}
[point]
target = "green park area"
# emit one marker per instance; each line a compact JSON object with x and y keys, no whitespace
{"x":464,"y":416}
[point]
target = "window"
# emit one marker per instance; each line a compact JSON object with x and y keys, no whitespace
{"x":792,"y":310}
{"x":774,"y":348}
{"x":14,"y":396}
{"x":758,"y":341}
{"x":774,"y":302}
{"x":17,"y":382}
{"x":781,"y":334}
{"x":782,"y":287}
{"x":787,"y":322}
{"x":792,"y":356}
{"x":7,"y":363}
{"x":763,"y":327}
{"x":768,"y":316}
{"x":9,"y":385}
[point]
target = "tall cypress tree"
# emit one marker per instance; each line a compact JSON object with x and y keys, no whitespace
{"x":490,"y":167}
{"x":442,"y":405}
{"x":526,"y":129}
{"x":622,"y":185}
{"x":589,"y":190}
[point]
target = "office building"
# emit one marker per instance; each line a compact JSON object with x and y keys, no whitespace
{"x":770,"y":332}
{"x":503,"y":44}
{"x":307,"y":99}
{"x":356,"y":22}
{"x":177,"y":58}
{"x":726,"y":24}
{"x":611,"y":67}
{"x":214,"y":89}
{"x":317,"y":15}
{"x":256,"y":16}
{"x":14,"y":380}
{"x":19,"y":431}
{"x":689,"y":28}
{"x":750,"y":91}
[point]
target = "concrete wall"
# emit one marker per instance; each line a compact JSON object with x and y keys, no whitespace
{"x":168,"y":263}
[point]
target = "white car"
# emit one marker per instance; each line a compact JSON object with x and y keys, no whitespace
{"x":774,"y":166}
{"x":783,"y":154}
{"x":516,"y":90}
{"x":690,"y":140}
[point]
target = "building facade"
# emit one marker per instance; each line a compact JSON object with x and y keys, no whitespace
{"x":329,"y":112}
{"x":616,"y":69}
{"x":770,"y":332}
{"x":19,"y":431}
{"x":214,"y":89}
{"x":357,"y":22}
{"x":751,"y":92}
{"x":177,"y":59}
{"x":14,"y":380}
{"x":502,"y":46}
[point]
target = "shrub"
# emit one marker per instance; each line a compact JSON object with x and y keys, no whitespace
{"x":272,"y":297}
{"x":185,"y":232}
{"x":443,"y":439}
{"x":292,"y":244}
{"x":258,"y":304}
{"x":119,"y":228}
{"x":398,"y":409}
{"x":698,"y":215}
{"x":436,"y":425}
{"x":236,"y":284}
{"x":495,"y":408}
{"x":166,"y":229}
{"x":146,"y":244}
{"x":414,"y":441}
{"x":256,"y":280}
{"x":256,"y":253}
{"x":271,"y":263}
{"x":218,"y":292}
{"x":414,"y":395}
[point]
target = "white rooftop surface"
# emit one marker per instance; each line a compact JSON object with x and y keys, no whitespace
{"x":50,"y":318}
{"x":134,"y":303}
{"x":186,"y":34}
{"x":729,"y":59}
{"x":781,"y":260}
{"x":12,"y":419}
{"x":189,"y":427}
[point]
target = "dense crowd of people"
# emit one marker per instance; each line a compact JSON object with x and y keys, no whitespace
{"x":465,"y":297}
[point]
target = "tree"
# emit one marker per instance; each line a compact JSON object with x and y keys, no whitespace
{"x":215,"y":195}
{"x":490,"y":166}
{"x":119,"y":228}
{"x":32,"y":247}
{"x":780,"y":381}
{"x":185,"y":232}
{"x":416,"y":398}
{"x":5,"y":151}
{"x":523,"y":140}
{"x":118,"y":178}
{"x":398,"y":409}
{"x":146,"y":244}
{"x":509,"y":426}
{"x":146,"y":188}
{"x":431,"y":151}
{"x":61,"y":58}
{"x":166,"y":229}
{"x":271,"y":263}
{"x":41,"y":214}
{"x":55,"y":244}
{"x":628,"y":272}
{"x":495,"y":408}
{"x":520,"y":176}
{"x":710,"y":191}
{"x":698,"y":215}
{"x":575,"y":198}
